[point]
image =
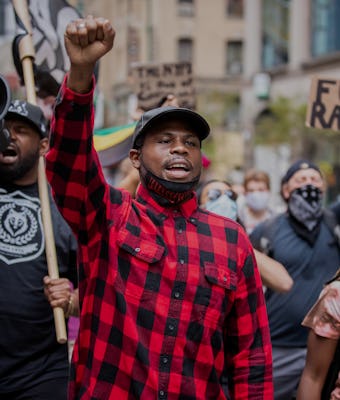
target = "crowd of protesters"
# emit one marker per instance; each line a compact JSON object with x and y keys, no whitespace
{"x":180,"y":289}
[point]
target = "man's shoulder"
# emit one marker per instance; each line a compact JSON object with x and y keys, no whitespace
{"x":220,"y":227}
{"x":268,"y":226}
{"x":263,"y":234}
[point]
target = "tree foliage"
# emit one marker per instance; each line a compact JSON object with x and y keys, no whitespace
{"x":283,"y":121}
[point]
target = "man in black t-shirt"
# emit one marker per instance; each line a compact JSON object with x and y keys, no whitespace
{"x":33,"y":364}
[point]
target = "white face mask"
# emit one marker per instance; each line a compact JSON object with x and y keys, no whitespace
{"x":224,"y":206}
{"x":257,"y":201}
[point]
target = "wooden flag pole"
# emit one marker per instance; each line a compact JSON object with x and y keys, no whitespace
{"x":27,"y":54}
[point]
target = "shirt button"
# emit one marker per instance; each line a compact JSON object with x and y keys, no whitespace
{"x":177,"y":294}
{"x":171,"y":327}
{"x":137,"y":249}
{"x":165,"y":360}
{"x":181,"y":261}
{"x":162,"y":393}
{"x":180,"y":230}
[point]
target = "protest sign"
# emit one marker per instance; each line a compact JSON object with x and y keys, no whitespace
{"x":151,"y":82}
{"x":323,"y":111}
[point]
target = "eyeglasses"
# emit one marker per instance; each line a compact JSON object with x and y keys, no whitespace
{"x":214,"y":194}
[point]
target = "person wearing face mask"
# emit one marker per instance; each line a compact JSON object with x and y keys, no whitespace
{"x":255,"y":208}
{"x":217,"y":196}
{"x":302,"y":239}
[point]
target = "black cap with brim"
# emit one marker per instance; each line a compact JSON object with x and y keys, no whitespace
{"x":151,"y":118}
{"x":30,"y":113}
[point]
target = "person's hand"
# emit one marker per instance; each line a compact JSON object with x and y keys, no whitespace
{"x":58,"y":293}
{"x":86,"y":41}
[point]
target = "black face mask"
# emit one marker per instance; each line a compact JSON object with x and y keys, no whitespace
{"x":305,"y":205}
{"x":168,"y":193}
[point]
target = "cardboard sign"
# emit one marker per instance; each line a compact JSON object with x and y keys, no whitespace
{"x":151,"y":82}
{"x":323,"y":110}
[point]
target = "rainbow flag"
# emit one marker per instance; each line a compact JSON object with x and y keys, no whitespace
{"x":113,"y":144}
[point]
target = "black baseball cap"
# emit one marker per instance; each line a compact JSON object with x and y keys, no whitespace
{"x":30,"y":113}
{"x":297,"y":166}
{"x":151,"y":118}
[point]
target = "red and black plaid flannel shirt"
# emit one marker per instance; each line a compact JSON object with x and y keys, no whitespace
{"x":169,"y":297}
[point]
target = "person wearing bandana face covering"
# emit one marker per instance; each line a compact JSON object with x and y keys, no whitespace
{"x":303,"y":241}
{"x":166,"y":309}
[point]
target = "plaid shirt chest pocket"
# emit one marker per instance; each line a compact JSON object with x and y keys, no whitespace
{"x":137,"y":255}
{"x":220,"y":276}
{"x":143,"y":247}
{"x":218,"y":294}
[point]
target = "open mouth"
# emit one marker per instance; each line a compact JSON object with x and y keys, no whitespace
{"x":8,"y":155}
{"x":9,"y":152}
{"x":177,"y":170}
{"x":177,"y":166}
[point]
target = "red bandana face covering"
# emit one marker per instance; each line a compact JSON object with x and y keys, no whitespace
{"x":168,"y":193}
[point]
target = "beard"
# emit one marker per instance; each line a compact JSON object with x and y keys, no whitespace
{"x":13,"y":172}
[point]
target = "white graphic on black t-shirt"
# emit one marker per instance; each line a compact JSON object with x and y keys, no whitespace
{"x":21,"y":234}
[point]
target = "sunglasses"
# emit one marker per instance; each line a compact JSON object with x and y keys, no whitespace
{"x":214,"y":194}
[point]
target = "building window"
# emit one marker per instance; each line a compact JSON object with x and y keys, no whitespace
{"x":325,"y":27}
{"x":3,"y":17}
{"x":7,"y":21}
{"x":132,"y":45}
{"x":232,"y":116}
{"x":275,"y":34}
{"x":234,"y":50}
{"x":186,"y":8}
{"x":235,"y":8}
{"x":185,"y":50}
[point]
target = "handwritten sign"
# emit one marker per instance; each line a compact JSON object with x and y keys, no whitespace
{"x":323,"y":110}
{"x":151,"y":82}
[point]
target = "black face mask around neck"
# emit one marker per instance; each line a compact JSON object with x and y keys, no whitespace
{"x":168,"y":193}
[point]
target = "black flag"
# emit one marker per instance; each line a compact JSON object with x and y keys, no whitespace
{"x":49,"y":19}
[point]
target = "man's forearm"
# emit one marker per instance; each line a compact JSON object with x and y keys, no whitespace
{"x":79,"y":79}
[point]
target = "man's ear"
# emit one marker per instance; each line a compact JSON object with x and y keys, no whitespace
{"x":285,"y":191}
{"x":43,"y":147}
{"x":324,"y":185}
{"x":135,"y":158}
